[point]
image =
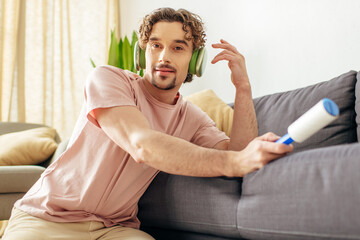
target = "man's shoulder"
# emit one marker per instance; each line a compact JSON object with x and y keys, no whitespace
{"x":107,"y":69}
{"x":106,"y":74}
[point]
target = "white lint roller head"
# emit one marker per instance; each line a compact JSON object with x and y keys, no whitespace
{"x":317,"y":117}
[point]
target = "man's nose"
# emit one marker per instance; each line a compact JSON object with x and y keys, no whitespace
{"x":164,"y":56}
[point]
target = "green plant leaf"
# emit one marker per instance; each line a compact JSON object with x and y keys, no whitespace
{"x":121,"y":58}
{"x":127,"y":54}
{"x":113,"y":51}
{"x":121,"y":53}
{"x":134,"y":38}
{"x":92,"y":63}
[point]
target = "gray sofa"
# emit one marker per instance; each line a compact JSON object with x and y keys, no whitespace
{"x":312,"y":193}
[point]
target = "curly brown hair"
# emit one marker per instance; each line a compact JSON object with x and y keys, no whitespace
{"x":183,"y":16}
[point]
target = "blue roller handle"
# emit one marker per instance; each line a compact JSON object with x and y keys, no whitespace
{"x":286,"y":139}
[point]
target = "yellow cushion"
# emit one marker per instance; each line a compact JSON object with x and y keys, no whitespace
{"x":27,"y":147}
{"x":217,"y":110}
{"x":3,"y":225}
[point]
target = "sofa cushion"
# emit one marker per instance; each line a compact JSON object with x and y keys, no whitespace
{"x":10,"y":127}
{"x":312,"y":194}
{"x":27,"y":147}
{"x":276,"y":112}
{"x":217,"y":109}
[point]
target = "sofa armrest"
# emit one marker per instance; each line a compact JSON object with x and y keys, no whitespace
{"x":18,"y":179}
{"x":193,"y":204}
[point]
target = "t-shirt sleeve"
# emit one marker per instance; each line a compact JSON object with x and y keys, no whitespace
{"x":107,"y":87}
{"x":207,"y":134}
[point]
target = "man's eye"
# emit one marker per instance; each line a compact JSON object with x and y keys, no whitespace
{"x":156,"y":45}
{"x":178,"y":48}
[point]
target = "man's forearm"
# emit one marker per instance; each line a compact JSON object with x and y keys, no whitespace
{"x":177,"y":156}
{"x":130,"y":130}
{"x":244,"y":127}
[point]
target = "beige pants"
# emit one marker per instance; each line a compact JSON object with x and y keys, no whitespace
{"x":25,"y":227}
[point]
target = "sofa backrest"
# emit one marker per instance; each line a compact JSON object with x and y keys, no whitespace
{"x":277,"y":111}
{"x":357,"y":104}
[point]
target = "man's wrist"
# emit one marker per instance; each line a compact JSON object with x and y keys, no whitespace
{"x":229,"y":164}
{"x":243,"y":86}
{"x":242,"y":92}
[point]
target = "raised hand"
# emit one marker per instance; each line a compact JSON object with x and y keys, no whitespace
{"x":236,"y":62}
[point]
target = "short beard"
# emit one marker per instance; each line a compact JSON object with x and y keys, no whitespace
{"x":170,"y":86}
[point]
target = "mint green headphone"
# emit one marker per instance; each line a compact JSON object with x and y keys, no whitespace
{"x":196,"y":66}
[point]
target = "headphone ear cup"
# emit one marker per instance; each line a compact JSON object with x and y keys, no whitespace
{"x":198,"y":62}
{"x":201,"y":62}
{"x":139,"y":57}
{"x":193,"y":60}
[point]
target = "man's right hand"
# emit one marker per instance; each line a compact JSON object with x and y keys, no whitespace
{"x":258,"y":153}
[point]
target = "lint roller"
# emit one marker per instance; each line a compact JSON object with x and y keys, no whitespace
{"x":317,"y":117}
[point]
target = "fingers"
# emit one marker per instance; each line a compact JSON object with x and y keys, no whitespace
{"x":270,"y":151}
{"x":229,"y":54}
{"x":270,"y":137}
{"x":276,"y":148}
{"x":270,"y":157}
{"x":270,"y":146}
{"x":225,"y":45}
{"x":224,"y":55}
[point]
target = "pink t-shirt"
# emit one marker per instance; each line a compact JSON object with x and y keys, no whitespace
{"x":94,"y":179}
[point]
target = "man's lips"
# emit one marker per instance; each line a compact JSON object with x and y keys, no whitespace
{"x":164,"y":70}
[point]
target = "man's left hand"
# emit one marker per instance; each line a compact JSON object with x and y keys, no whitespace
{"x":236,"y":62}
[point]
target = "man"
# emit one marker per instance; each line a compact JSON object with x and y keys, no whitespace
{"x":132,"y":127}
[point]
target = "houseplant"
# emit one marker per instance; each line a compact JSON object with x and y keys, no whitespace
{"x":121,"y":53}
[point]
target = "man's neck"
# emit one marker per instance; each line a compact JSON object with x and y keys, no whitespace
{"x":165,"y":96}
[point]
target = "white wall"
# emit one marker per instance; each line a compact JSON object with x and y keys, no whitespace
{"x":287,"y":43}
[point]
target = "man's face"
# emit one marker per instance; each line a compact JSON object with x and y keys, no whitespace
{"x":168,"y":54}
